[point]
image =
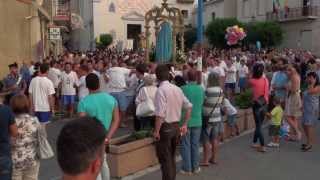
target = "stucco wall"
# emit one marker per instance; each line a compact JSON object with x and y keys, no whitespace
{"x":14,"y":34}
{"x":294,"y":33}
{"x":105,"y":21}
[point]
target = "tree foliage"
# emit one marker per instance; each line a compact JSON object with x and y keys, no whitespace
{"x":268,"y":33}
{"x":105,"y":41}
{"x":216,"y":30}
{"x":190,"y":37}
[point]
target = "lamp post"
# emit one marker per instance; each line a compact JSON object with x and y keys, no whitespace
{"x":200,"y":39}
{"x":200,"y":22}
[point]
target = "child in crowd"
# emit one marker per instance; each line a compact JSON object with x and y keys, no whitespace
{"x":276,"y":118}
{"x":231,"y":113}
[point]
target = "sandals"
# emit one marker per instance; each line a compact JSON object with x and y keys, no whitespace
{"x":203,"y":164}
{"x":213,"y":162}
{"x":306,"y":148}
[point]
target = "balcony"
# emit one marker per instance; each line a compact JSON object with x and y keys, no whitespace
{"x":295,"y":14}
{"x":185,"y":1}
{"x":61,"y":10}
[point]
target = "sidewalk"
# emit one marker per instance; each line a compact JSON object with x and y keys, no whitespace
{"x":238,"y":161}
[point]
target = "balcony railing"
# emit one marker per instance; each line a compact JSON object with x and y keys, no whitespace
{"x":292,"y":14}
{"x":61,"y":10}
{"x":185,"y":1}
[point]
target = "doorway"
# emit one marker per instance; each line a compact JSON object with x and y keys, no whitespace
{"x":133,"y":32}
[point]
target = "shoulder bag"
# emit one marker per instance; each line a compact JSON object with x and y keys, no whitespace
{"x":145,"y":108}
{"x":206,"y":118}
{"x":44,"y":148}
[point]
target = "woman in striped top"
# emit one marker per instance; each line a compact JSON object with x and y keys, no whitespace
{"x":214,"y":127}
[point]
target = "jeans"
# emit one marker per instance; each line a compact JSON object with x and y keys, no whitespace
{"x":105,"y":172}
{"x":30,"y":173}
{"x":258,"y":118}
{"x":5,"y":167}
{"x":190,"y":149}
{"x":166,"y":150}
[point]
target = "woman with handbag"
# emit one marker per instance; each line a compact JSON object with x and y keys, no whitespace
{"x":260,"y":89}
{"x":25,"y":146}
{"x":212,"y":124}
{"x":145,"y":103}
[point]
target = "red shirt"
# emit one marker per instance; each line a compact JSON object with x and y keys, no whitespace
{"x":260,"y":87}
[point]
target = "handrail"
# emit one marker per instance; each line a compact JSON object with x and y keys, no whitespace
{"x":294,"y":13}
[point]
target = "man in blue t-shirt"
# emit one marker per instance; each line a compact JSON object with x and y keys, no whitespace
{"x":104,"y":108}
{"x":7,"y":128}
{"x":279,"y":81}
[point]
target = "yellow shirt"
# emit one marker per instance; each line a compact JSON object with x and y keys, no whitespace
{"x":276,"y":114}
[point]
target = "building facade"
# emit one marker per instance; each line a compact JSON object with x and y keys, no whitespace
{"x":124,"y":19}
{"x":300,"y":19}
{"x":24,"y":31}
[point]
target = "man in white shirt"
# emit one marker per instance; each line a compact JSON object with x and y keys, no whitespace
{"x":41,"y":92}
{"x":69,"y":83}
{"x":243,"y":72}
{"x":218,"y":70}
{"x":117,"y":85}
{"x":83,"y":90}
{"x":231,"y":79}
{"x":54,"y":75}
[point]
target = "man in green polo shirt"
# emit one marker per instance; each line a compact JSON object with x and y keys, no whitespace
{"x":104,"y":108}
{"x":190,"y":142}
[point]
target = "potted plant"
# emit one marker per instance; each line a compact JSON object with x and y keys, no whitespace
{"x":131,"y":153}
{"x":244,"y":102}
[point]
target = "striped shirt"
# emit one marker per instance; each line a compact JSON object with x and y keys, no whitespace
{"x":214,"y":97}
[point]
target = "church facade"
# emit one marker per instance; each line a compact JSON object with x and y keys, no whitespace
{"x":124,"y":19}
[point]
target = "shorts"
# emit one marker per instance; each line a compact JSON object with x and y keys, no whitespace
{"x":211,"y":132}
{"x":242,"y":83}
{"x":274,"y":130}
{"x":123,"y":101}
{"x":231,"y":120}
{"x":68,"y":99}
{"x":43,"y":117}
{"x":231,"y":86}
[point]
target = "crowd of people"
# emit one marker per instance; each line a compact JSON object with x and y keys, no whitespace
{"x":181,"y":103}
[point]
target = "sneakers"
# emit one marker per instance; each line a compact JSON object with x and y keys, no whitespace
{"x":185,"y":173}
{"x":273,"y":145}
{"x":197,"y":171}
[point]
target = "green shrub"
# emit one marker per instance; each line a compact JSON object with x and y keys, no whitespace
{"x":244,"y":100}
{"x":141,"y":134}
{"x":105,"y":41}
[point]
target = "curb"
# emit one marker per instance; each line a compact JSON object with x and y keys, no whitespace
{"x":178,"y":159}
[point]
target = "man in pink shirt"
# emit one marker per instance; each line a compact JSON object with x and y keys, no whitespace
{"x":169,"y":102}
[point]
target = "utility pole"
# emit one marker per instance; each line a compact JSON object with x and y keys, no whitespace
{"x":200,"y":22}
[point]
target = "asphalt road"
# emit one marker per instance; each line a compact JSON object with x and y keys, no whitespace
{"x":237,"y":161}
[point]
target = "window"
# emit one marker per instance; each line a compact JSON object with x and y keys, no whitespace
{"x":245,"y":8}
{"x":213,"y":15}
{"x":185,"y":14}
{"x":261,"y":5}
{"x":112,"y":8}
